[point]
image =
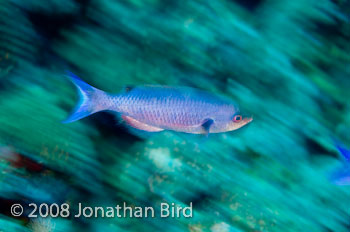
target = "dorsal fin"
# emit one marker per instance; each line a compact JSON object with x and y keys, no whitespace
{"x":128,"y":88}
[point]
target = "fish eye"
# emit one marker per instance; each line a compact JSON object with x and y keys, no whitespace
{"x":237,"y":118}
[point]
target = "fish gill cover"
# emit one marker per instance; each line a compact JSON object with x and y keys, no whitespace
{"x":287,"y":63}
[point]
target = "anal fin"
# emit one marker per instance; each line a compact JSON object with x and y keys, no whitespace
{"x":140,"y":125}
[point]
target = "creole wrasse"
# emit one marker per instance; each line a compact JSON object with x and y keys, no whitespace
{"x":157,"y":108}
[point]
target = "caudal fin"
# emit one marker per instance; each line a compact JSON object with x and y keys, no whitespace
{"x":88,"y":99}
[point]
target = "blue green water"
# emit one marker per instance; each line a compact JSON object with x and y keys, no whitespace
{"x":287,"y":63}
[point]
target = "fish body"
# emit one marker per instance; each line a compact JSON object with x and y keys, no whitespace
{"x":157,"y":108}
{"x":342,"y":175}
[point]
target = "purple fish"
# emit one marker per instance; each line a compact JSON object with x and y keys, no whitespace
{"x":342,"y":175}
{"x":157,"y":108}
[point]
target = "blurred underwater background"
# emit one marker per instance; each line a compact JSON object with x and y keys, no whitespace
{"x":287,"y":63}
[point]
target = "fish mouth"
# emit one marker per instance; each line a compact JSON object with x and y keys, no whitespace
{"x":248,"y":119}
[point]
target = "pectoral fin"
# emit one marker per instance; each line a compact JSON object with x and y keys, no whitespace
{"x":140,"y":125}
{"x":206,"y":125}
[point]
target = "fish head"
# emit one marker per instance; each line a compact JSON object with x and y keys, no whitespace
{"x":238,"y":121}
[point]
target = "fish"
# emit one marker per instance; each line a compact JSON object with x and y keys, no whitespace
{"x":154,"y":108}
{"x":342,"y":175}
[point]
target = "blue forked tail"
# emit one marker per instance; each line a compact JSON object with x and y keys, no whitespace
{"x":89,"y":98}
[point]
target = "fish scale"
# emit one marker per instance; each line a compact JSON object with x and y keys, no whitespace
{"x":174,"y":107}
